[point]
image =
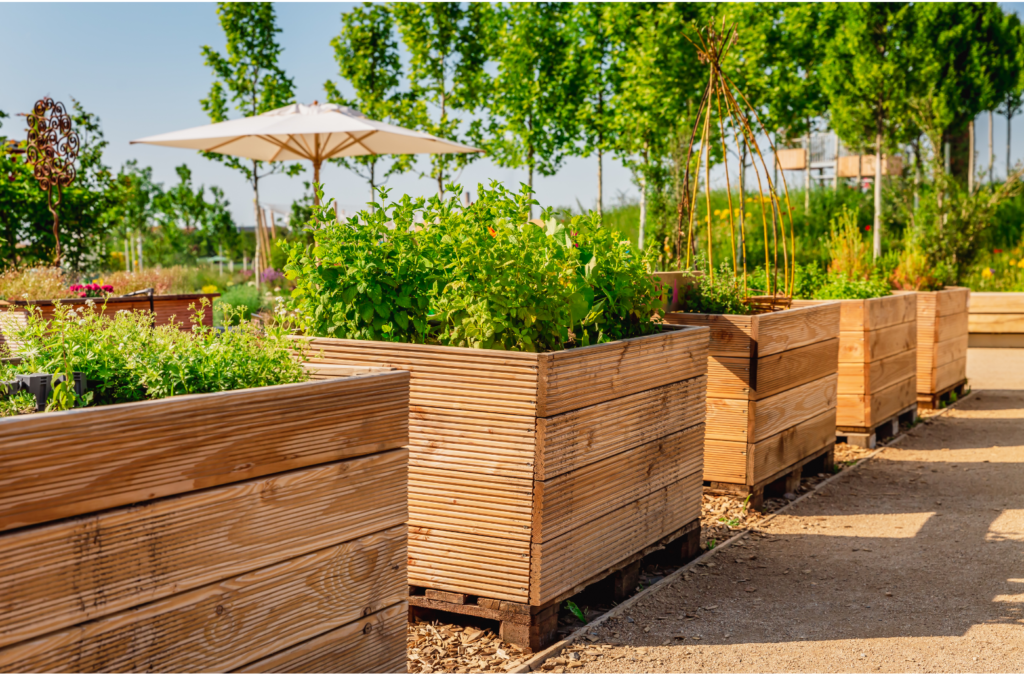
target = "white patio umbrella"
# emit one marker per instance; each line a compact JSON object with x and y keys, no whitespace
{"x":311,"y":132}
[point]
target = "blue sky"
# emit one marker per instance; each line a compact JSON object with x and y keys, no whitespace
{"x":138,"y":66}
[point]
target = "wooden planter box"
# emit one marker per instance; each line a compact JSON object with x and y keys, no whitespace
{"x":163,"y":308}
{"x":877,"y":365}
{"x":996,"y":320}
{"x":533,"y":475}
{"x":772,"y":384}
{"x":261,"y":529}
{"x":942,"y":338}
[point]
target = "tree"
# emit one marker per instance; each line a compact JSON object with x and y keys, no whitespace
{"x":590,"y":52}
{"x":532,"y":100}
{"x":1013,"y":96}
{"x":132,"y":206}
{"x":367,"y":56}
{"x":447,"y":52}
{"x":249,"y":77}
{"x":864,"y":74}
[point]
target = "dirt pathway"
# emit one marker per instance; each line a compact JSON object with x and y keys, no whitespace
{"x":912,"y":562}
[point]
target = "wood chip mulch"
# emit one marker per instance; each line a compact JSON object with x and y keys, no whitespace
{"x":440,"y":647}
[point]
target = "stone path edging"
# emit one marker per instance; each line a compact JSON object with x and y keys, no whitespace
{"x":555,"y":649}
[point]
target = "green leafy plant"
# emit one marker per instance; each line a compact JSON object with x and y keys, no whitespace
{"x":735,"y":521}
{"x":711,"y":543}
{"x":719,"y":294}
{"x":581,"y":614}
{"x":482,"y":276}
{"x":125,"y":358}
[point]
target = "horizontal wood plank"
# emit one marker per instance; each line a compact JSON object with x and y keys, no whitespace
{"x":1004,"y":323}
{"x":784,"y":449}
{"x":63,"y":464}
{"x":785,"y":410}
{"x":997,"y":303}
{"x":725,"y":461}
{"x":790,"y":329}
{"x":226,"y":625}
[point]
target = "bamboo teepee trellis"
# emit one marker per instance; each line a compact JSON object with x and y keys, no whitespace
{"x":712,"y":47}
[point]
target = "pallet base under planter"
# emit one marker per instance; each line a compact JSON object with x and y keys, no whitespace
{"x":535,"y":627}
{"x":782,"y":482}
{"x":936,"y":400}
{"x":869,"y":437}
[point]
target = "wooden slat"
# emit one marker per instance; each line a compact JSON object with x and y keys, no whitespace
{"x":588,"y":376}
{"x":882,"y":312}
{"x":868,"y":378}
{"x":997,"y":303}
{"x":949,"y":374}
{"x":784,"y":330}
{"x":375,"y":643}
{"x":559,"y":564}
{"x":787,"y":370}
{"x":576,"y":498}
{"x":730,"y":335}
{"x":865,"y":347}
{"x":725,"y":461}
{"x":784,"y":449}
{"x":952,"y":300}
{"x":950,"y":326}
{"x":572,"y":440}
{"x":476,"y":564}
{"x":1004,"y":323}
{"x":727,"y":419}
{"x":80,"y":569}
{"x":226,"y":625}
{"x":950,"y":350}
{"x":785,"y":410}
{"x":64,"y":464}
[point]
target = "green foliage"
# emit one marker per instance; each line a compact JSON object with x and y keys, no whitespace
{"x":447,"y":45}
{"x":482,"y":276}
{"x":717,"y":294}
{"x":367,"y":55}
{"x":126,"y":359}
{"x":581,"y":614}
{"x":249,"y":76}
{"x":236,"y":304}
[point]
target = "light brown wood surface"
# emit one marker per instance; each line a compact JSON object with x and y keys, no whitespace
{"x":942,"y":338}
{"x":773,"y":455}
{"x":84,"y":568}
{"x":225,"y":625}
{"x":1003,"y":323}
{"x":63,"y":464}
{"x":997,"y":303}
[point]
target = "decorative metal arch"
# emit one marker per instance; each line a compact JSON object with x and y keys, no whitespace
{"x":52,"y":150}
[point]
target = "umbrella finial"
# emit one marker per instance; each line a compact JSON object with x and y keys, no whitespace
{"x":316,"y":102}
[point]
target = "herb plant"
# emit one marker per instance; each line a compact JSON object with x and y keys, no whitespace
{"x":483,"y":276}
{"x":125,"y":358}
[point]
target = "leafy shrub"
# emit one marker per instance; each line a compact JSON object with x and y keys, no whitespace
{"x":236,"y":304}
{"x":33,"y":283}
{"x":720,"y":294}
{"x":482,"y":276}
{"x":848,"y":249}
{"x":125,"y":358}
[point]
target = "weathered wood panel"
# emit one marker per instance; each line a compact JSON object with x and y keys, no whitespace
{"x":785,"y":410}
{"x":64,"y":464}
{"x":375,"y":643}
{"x":730,"y":335}
{"x":773,"y":455}
{"x":80,"y":569}
{"x":997,"y":303}
{"x":225,"y":625}
{"x":942,"y":337}
{"x":784,"y":330}
{"x":1000,"y":324}
{"x":725,"y":461}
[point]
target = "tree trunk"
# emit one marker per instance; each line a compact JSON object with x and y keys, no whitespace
{"x":1009,"y":117}
{"x":917,"y":172}
{"x":600,"y":186}
{"x":256,"y":266}
{"x":835,"y":176}
{"x":807,"y":172}
{"x":127,"y":253}
{"x":970,"y":157}
{"x":877,"y":229}
{"x":743,"y":203}
{"x":643,"y":210}
{"x":991,"y":151}
{"x":141,"y":263}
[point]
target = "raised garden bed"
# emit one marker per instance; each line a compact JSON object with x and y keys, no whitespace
{"x":942,"y":337}
{"x":260,"y":529}
{"x":877,"y":364}
{"x":534,"y":473}
{"x":163,"y":308}
{"x":772,"y":386}
{"x":996,"y":320}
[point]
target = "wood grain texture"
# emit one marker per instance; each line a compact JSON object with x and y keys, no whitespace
{"x":1000,"y":324}
{"x":575,"y":439}
{"x":725,"y":461}
{"x":60,"y":574}
{"x":867,"y":378}
{"x":375,"y":643}
{"x":997,"y":303}
{"x":942,"y":335}
{"x":784,"y":330}
{"x":225,"y":625}
{"x":872,"y":345}
{"x":64,"y":464}
{"x":781,"y":372}
{"x":785,"y":410}
{"x":951,"y":326}
{"x":775,"y":454}
{"x":730,"y":335}
{"x":949,"y":374}
{"x":558,"y":564}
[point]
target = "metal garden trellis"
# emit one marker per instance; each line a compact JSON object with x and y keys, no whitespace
{"x":712,"y":46}
{"x":51,"y":151}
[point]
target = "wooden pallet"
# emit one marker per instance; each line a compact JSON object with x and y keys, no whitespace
{"x":784,"y":481}
{"x":529,"y":473}
{"x":190,"y":534}
{"x":870,"y":436}
{"x":534,"y":627}
{"x":772,"y":383}
{"x":942,"y":398}
{"x":877,"y":358}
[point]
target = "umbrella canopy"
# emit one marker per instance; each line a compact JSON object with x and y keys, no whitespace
{"x":311,"y":132}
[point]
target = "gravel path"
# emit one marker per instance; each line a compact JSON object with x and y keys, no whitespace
{"x":912,"y":562}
